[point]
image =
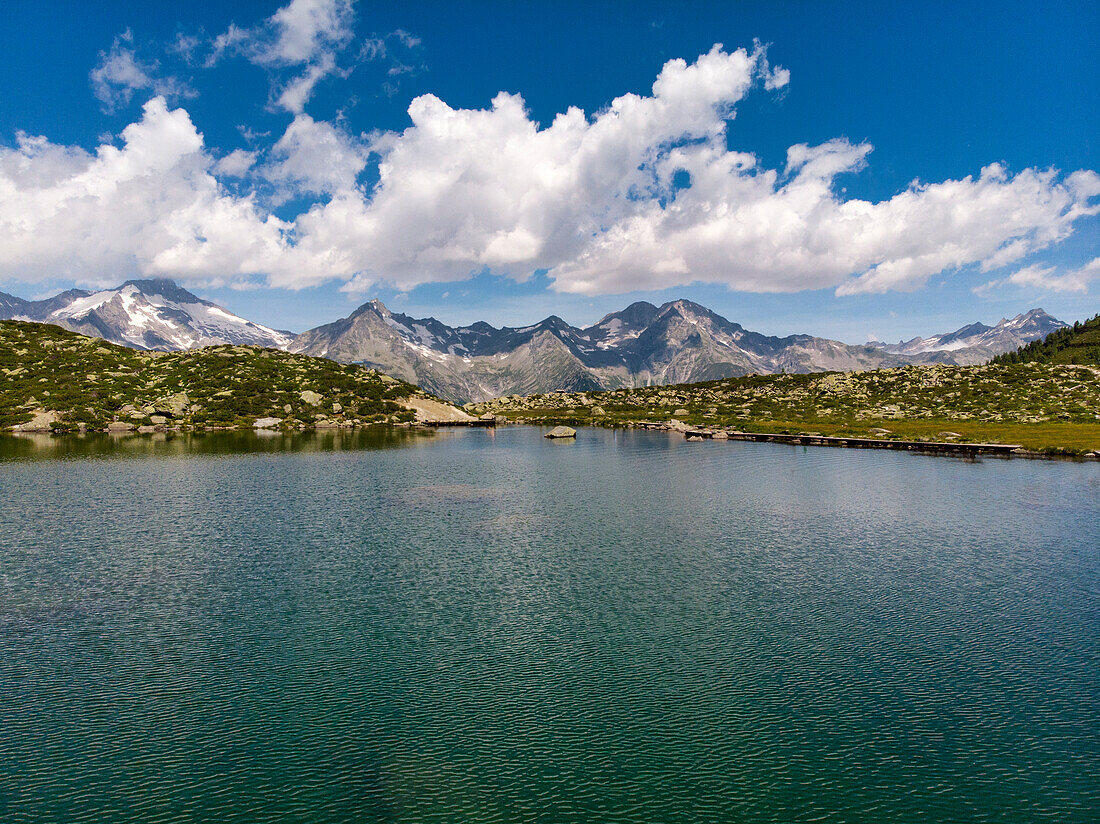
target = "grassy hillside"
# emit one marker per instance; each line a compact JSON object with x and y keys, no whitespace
{"x":94,"y":385}
{"x":1041,"y":406}
{"x":1079,"y":343}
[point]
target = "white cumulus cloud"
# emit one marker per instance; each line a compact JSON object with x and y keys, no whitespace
{"x":305,"y":33}
{"x":150,"y":207}
{"x":120,"y":72}
{"x":589,"y":198}
{"x":1044,"y":279}
{"x":316,"y":157}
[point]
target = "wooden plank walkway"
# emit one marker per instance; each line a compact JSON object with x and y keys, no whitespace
{"x":862,"y":443}
{"x":474,"y":422}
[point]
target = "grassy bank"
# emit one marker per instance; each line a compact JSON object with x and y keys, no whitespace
{"x":1043,"y":407}
{"x":60,"y":381}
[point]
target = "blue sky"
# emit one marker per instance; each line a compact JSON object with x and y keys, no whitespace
{"x":264,"y":154}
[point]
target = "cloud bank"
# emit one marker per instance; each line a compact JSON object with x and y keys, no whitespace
{"x":1044,"y":279}
{"x":644,"y":194}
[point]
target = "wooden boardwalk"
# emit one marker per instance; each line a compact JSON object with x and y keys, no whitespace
{"x":474,"y":422}
{"x":943,"y":447}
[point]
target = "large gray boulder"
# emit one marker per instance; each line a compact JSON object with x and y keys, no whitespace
{"x":561,"y":432}
{"x":173,"y":406}
{"x":42,"y":421}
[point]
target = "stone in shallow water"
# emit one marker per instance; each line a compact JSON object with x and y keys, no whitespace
{"x":561,"y":432}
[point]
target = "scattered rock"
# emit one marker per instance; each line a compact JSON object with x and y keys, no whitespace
{"x":158,"y":419}
{"x":598,"y":410}
{"x":267,"y":423}
{"x":336,"y":407}
{"x":561,"y":432}
{"x":120,"y":426}
{"x":311,"y":397}
{"x":720,"y":435}
{"x":680,"y":413}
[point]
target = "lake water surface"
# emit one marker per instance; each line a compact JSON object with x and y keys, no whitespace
{"x":486,"y":626}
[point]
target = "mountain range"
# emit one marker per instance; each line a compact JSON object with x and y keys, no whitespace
{"x":677,"y":342}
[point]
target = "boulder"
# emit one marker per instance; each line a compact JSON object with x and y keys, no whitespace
{"x":561,"y":432}
{"x":41,"y":422}
{"x":158,"y":419}
{"x":267,"y":423}
{"x":311,"y":397}
{"x":680,"y":413}
{"x":720,"y":435}
{"x":173,"y":406}
{"x":336,"y":407}
{"x":598,"y":410}
{"x":120,"y":426}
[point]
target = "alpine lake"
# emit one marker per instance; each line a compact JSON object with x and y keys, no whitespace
{"x":483,"y":625}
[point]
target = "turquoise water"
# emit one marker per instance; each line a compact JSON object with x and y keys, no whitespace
{"x":489,"y":626}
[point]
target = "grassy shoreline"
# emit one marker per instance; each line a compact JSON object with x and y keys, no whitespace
{"x":54,"y":380}
{"x":1051,"y":409}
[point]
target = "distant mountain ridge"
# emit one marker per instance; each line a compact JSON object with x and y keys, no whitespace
{"x":643,"y":344}
{"x":677,"y":342}
{"x":144,"y":314}
{"x":981,"y":342}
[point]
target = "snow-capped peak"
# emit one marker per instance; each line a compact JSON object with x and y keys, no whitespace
{"x":153,"y":314}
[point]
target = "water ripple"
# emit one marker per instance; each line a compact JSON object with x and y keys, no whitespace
{"x":491,"y":627}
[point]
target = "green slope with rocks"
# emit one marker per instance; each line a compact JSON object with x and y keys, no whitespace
{"x":55,"y":380}
{"x":1049,"y":407}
